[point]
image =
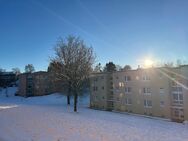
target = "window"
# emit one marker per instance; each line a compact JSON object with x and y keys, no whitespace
{"x":96,"y":79}
{"x":148,"y":103}
{"x":29,"y":79}
{"x":46,"y":78}
{"x":177,"y":89}
{"x":162,"y":103}
{"x":29,"y":76}
{"x":178,"y":98}
{"x":177,"y":95}
{"x":102,"y":87}
{"x":128,"y":101}
{"x":95,"y":88}
{"x":127,"y":89}
{"x":29,"y":86}
{"x":117,"y":99}
{"x":121,"y":84}
{"x":111,"y":87}
{"x":147,"y":91}
{"x":161,"y":90}
{"x":145,"y":77}
{"x":127,"y":78}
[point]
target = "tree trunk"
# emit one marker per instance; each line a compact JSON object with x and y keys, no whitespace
{"x":68,"y":99}
{"x":75,"y":101}
{"x":69,"y":93}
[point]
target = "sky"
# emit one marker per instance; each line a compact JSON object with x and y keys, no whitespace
{"x":122,"y":31}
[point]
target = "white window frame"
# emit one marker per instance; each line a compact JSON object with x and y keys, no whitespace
{"x":147,"y":91}
{"x":145,"y":77}
{"x":178,"y":90}
{"x":121,"y":84}
{"x":126,"y":78}
{"x":128,"y":101}
{"x":161,"y":90}
{"x":178,"y":100}
{"x":162,"y":103}
{"x":128,"y":90}
{"x":146,"y":103}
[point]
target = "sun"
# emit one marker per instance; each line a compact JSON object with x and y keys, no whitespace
{"x":148,"y":63}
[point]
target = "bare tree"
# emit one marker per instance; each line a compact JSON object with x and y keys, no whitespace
{"x":29,"y":68}
{"x":16,"y":71}
{"x":127,"y":67}
{"x":178,"y":63}
{"x":2,"y":70}
{"x":169,"y":64}
{"x":98,"y":68}
{"x":118,"y":68}
{"x":55,"y":69}
{"x":110,"y":67}
{"x":73,"y":63}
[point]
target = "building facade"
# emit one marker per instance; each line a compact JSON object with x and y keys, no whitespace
{"x":38,"y":84}
{"x":7,"y":78}
{"x":160,"y":92}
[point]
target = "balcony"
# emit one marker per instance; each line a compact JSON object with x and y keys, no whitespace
{"x":177,"y":114}
{"x":177,"y":103}
{"x":110,"y":98}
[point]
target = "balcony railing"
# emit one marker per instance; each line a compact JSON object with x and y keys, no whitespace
{"x":177,"y":102}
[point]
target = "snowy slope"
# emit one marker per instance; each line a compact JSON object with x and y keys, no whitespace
{"x":47,"y":118}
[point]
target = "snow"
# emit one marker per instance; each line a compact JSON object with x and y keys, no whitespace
{"x":47,"y":118}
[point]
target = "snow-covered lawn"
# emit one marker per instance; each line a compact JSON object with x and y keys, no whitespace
{"x":47,"y":118}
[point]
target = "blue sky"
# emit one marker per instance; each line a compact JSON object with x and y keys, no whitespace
{"x":122,"y":31}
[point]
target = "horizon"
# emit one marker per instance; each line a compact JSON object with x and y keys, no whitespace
{"x":123,"y":32}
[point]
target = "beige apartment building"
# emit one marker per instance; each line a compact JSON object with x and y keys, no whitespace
{"x":160,"y":92}
{"x":38,"y":84}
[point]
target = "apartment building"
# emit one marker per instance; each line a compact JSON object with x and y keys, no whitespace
{"x":160,"y":92}
{"x":37,"y":84}
{"x":7,"y":78}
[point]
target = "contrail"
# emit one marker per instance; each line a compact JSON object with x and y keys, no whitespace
{"x":108,"y":44}
{"x":60,"y":17}
{"x":93,"y":16}
{"x":68,"y":22}
{"x":104,"y":27}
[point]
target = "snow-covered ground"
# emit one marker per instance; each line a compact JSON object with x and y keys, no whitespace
{"x":47,"y":118}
